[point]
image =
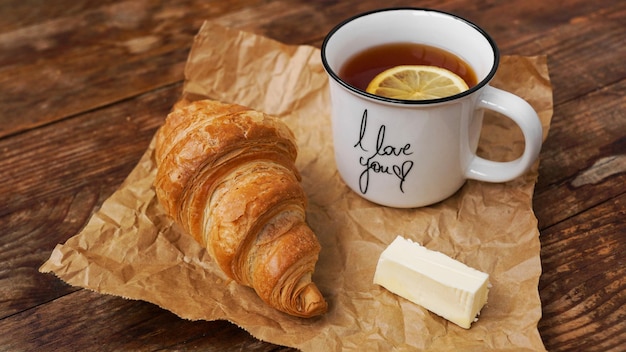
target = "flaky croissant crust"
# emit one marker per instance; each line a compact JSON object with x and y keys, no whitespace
{"x":226,"y":174}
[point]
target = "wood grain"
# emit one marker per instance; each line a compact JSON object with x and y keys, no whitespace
{"x":97,"y":147}
{"x":110,"y":323}
{"x":597,"y":116}
{"x":84,"y":86}
{"x":583,"y":286}
{"x":70,"y":65}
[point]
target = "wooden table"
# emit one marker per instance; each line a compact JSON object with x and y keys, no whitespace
{"x":84,"y":85}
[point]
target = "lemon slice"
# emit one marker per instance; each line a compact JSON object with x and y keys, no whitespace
{"x":416,"y":82}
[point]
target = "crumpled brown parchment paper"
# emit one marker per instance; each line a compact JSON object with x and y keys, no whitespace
{"x":129,"y":248}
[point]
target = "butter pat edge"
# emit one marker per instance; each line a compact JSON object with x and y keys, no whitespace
{"x":433,"y":280}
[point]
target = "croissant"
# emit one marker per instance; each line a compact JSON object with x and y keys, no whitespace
{"x":226,"y":174}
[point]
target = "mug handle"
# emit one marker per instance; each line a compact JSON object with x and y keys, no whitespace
{"x":518,"y":110}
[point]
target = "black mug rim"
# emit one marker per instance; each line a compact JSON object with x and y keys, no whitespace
{"x":478,"y":86}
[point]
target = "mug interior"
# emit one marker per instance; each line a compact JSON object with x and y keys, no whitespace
{"x":424,"y":26}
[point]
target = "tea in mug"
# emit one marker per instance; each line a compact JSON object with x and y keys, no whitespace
{"x":360,"y":69}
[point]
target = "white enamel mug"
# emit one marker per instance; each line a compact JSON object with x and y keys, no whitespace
{"x":406,"y":154}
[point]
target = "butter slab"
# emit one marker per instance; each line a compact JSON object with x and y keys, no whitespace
{"x":433,"y":280}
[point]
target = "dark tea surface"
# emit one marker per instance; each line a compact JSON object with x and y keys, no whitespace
{"x":360,"y":69}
